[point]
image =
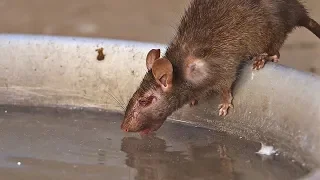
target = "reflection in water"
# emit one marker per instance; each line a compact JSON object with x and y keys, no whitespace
{"x":149,"y":157}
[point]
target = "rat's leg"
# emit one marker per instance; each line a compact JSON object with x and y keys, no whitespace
{"x":224,"y":90}
{"x":260,"y":60}
{"x":226,"y":101}
{"x":226,"y":162}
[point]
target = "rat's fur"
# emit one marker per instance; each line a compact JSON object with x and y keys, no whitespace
{"x":213,"y":38}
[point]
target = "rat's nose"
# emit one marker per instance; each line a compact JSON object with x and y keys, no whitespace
{"x":123,"y":127}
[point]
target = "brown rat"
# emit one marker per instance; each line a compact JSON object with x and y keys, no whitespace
{"x":213,"y":38}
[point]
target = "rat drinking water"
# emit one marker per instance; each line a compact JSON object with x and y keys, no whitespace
{"x":213,"y":38}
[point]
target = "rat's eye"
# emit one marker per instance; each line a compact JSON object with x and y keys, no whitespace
{"x":143,"y":102}
{"x":146,"y":101}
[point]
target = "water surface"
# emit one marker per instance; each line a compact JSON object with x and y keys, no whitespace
{"x":56,"y":143}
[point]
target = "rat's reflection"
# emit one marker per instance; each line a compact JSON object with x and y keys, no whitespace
{"x":149,"y":157}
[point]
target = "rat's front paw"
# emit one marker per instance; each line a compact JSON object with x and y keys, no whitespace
{"x":258,"y":64}
{"x":260,"y":60}
{"x":223,"y":108}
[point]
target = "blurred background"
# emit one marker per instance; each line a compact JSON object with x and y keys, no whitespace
{"x":139,"y":20}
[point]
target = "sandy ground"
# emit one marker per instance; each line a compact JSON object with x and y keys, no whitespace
{"x":142,"y":20}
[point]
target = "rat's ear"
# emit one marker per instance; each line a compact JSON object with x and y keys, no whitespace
{"x":153,"y":54}
{"x":162,"y":71}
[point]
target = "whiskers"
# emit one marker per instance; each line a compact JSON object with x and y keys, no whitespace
{"x":120,"y":102}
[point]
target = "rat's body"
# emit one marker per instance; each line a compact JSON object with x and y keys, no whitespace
{"x":213,"y":38}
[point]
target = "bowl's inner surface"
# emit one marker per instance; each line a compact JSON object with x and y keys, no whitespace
{"x":56,"y":143}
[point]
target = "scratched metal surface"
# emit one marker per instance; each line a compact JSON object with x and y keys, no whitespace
{"x":278,"y":105}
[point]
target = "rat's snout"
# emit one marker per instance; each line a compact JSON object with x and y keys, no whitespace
{"x":123,"y":126}
{"x":131,"y":123}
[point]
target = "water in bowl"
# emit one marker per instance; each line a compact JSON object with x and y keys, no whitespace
{"x":59,"y":143}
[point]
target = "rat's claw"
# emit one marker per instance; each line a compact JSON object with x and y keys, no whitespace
{"x":274,"y":58}
{"x":258,"y":64}
{"x":230,"y":105}
{"x":223,"y":108}
{"x":260,"y":60}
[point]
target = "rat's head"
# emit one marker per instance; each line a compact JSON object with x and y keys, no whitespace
{"x":149,"y":106}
